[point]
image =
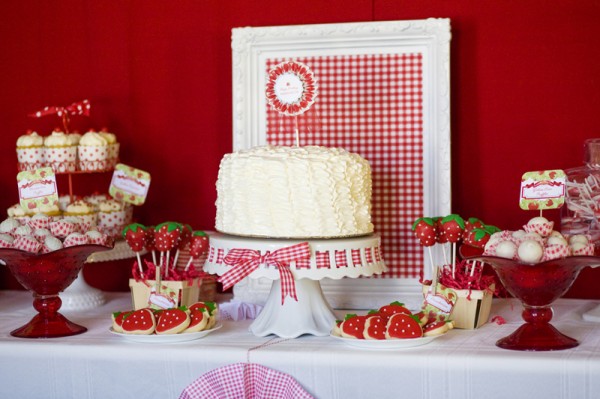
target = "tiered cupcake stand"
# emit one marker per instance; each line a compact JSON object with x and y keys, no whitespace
{"x":329,"y":258}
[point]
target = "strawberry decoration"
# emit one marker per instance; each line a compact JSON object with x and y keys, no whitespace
{"x":375,"y":326}
{"x":386,"y":311}
{"x":173,"y":321}
{"x":150,"y":242}
{"x":424,"y":229}
{"x":118,"y":318}
{"x":184,"y":239}
{"x":167,"y":236}
{"x":353,"y":326}
{"x":452,"y":227}
{"x":135,"y":236}
{"x":198,"y":245}
{"x":210,"y":308}
{"x":141,"y":322}
{"x":402,"y":325}
{"x":437,"y":328}
{"x":439,"y":236}
{"x":198,"y":320}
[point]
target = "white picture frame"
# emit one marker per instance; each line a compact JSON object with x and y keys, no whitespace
{"x":252,"y":46}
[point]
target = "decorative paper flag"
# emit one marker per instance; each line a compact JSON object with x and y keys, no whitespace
{"x":129,"y":184}
{"x":77,"y":108}
{"x":543,"y":189}
{"x":37,"y":188}
{"x":291,"y":88}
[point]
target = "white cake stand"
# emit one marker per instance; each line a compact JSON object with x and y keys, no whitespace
{"x":82,"y":296}
{"x":311,"y":314}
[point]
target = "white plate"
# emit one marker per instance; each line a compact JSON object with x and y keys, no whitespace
{"x":386,"y":344}
{"x":166,"y":338}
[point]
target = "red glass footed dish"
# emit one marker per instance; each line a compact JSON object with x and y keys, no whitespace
{"x":46,"y":275}
{"x":537,"y":286}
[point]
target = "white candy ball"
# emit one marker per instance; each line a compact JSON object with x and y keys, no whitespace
{"x":557,"y":239}
{"x":577,"y":246}
{"x":581,"y":238}
{"x":506,"y":249}
{"x":537,"y":220}
{"x":530,"y":251}
{"x":518,"y":234}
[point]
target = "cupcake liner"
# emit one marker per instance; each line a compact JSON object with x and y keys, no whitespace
{"x":113,"y":155}
{"x":75,"y":239}
{"x":96,"y":237}
{"x":61,"y":159}
{"x":93,"y":158}
{"x":6,"y":241}
{"x":555,"y":251}
{"x":41,"y":234}
{"x":112,"y":223}
{"x":39,"y":222}
{"x":62,"y":228}
{"x":27,"y":243}
{"x":30,"y":158}
{"x":543,"y":229}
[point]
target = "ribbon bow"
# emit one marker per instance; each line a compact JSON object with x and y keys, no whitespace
{"x":245,"y":261}
{"x":77,"y":108}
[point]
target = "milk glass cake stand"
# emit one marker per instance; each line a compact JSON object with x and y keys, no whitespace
{"x":329,"y":258}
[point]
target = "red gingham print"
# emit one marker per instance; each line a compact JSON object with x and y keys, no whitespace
{"x":220,"y":255}
{"x":356,"y":259}
{"x":303,"y":264}
{"x":322,"y":260}
{"x":211,"y":254}
{"x":340,"y":258}
{"x":245,"y":380}
{"x":371,"y":104}
{"x":245,"y":261}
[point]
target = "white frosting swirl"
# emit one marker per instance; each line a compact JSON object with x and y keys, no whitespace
{"x":56,"y":139}
{"x":30,"y":140}
{"x":93,"y":139}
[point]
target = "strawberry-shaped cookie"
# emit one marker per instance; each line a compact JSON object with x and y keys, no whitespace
{"x":375,"y":327}
{"x":452,"y":227}
{"x":353,"y":326}
{"x":198,"y":320}
{"x":198,"y":246}
{"x":387,"y":311}
{"x":210,"y":308}
{"x":424,"y":229}
{"x":437,"y":328}
{"x":141,"y":322}
{"x":118,"y":318}
{"x":401,"y":326}
{"x":173,"y":321}
{"x":135,"y":236}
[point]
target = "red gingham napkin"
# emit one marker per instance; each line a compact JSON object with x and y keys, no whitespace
{"x":245,"y":380}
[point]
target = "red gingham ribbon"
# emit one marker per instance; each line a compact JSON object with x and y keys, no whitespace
{"x":77,"y":108}
{"x":245,"y":261}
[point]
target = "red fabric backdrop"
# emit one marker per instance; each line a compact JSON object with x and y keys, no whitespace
{"x":525,"y":88}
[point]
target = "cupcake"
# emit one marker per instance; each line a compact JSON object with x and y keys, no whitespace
{"x":113,"y":148}
{"x":112,"y":217}
{"x":60,"y":153}
{"x":30,"y":151}
{"x":85,"y":213}
{"x":19,"y":213}
{"x":93,"y":152}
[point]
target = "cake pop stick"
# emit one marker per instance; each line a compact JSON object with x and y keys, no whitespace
{"x":198,"y":245}
{"x":184,"y":240}
{"x":134,"y":234}
{"x":425,"y":231}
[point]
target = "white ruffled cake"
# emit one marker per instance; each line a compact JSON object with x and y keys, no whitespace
{"x":294,"y":192}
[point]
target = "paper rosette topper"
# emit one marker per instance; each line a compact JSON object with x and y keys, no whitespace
{"x":77,"y":108}
{"x":291,"y":88}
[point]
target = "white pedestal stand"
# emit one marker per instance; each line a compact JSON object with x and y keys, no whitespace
{"x":81,"y":296}
{"x":311,"y":314}
{"x":592,"y":315}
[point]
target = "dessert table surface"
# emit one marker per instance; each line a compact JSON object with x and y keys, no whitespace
{"x":461,"y":364}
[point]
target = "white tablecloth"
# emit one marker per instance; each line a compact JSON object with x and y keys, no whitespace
{"x":462,"y":364}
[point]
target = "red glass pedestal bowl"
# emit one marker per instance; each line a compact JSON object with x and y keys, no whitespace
{"x":537,"y":286}
{"x":46,"y":275}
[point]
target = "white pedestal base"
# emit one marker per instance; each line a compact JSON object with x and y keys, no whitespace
{"x":81,"y":296}
{"x":311,"y":314}
{"x":592,"y":314}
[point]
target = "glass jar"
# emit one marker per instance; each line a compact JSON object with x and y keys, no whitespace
{"x":581,"y":213}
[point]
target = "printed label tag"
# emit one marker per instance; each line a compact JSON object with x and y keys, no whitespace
{"x":129,"y":184}
{"x":37,"y":189}
{"x":542,"y":190}
{"x":438,"y":306}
